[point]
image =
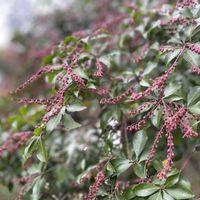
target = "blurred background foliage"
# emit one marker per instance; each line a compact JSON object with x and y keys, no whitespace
{"x":30,"y":49}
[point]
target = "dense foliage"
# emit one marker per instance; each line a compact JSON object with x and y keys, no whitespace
{"x":120,"y":109}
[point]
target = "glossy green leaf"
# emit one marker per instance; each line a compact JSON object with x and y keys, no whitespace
{"x":193,"y":96}
{"x":42,"y":153}
{"x":191,"y":57}
{"x":129,"y":193}
{"x":139,"y":140}
{"x":53,"y":122}
{"x":157,"y":196}
{"x":75,"y":108}
{"x":166,"y":196}
{"x":172,"y":55}
{"x":145,"y":189}
{"x":157,"y":116}
{"x":140,"y":170}
{"x":69,"y":122}
{"x":172,"y":180}
{"x":32,"y":146}
{"x":180,"y":193}
{"x":120,"y":165}
{"x":195,"y":108}
{"x":171,"y":89}
{"x":37,"y":188}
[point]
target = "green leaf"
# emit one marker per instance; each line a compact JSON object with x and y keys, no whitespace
{"x":81,"y":73}
{"x":110,"y":167}
{"x":107,"y":59}
{"x":32,"y":146}
{"x":42,"y":153}
{"x":195,"y":108}
{"x":37,"y":187}
{"x":119,"y":197}
{"x":150,"y":67}
{"x":185,"y":185}
{"x":75,"y":107}
{"x":38,"y":130}
{"x":139,"y":170}
{"x":167,"y":196}
{"x":172,"y":180}
{"x":172,"y":89}
{"x":69,"y":122}
{"x":158,"y":165}
{"x":156,"y":118}
{"x":180,"y":193}
{"x":139,"y":140}
{"x":120,"y":165}
{"x":191,"y":57}
{"x":186,"y":12}
{"x":145,"y":189}
{"x":53,"y":122}
{"x":144,"y":83}
{"x":129,"y":193}
{"x":143,"y":155}
{"x":69,"y":39}
{"x":172,"y":55}
{"x":157,"y":196}
{"x":193,"y":96}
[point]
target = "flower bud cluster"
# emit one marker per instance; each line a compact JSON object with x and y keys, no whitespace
{"x":193,"y":47}
{"x":158,"y":84}
{"x":170,"y":155}
{"x":138,"y":58}
{"x":58,"y":101}
{"x":179,"y":20}
{"x":186,"y":3}
{"x":187,"y":130}
{"x":142,"y":108}
{"x":39,"y":73}
{"x":110,"y":25}
{"x":34,"y":101}
{"x":196,"y":69}
{"x":155,"y":145}
{"x":74,"y":76}
{"x":118,"y":98}
{"x":173,"y":121}
{"x":99,"y":180}
{"x":99,"y":69}
{"x":166,"y":49}
{"x":15,"y":141}
{"x":138,"y":125}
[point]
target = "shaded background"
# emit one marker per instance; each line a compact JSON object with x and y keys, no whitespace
{"x":29,"y":30}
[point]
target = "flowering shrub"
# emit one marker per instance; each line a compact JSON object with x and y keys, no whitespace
{"x":122,"y":107}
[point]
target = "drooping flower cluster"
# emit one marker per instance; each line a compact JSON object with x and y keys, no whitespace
{"x":15,"y":141}
{"x":165,"y":49}
{"x":58,"y":101}
{"x":196,"y":69}
{"x":140,"y":56}
{"x":193,"y":47}
{"x":99,"y":69}
{"x":34,"y":101}
{"x":74,"y":76}
{"x":186,"y":3}
{"x":179,"y":20}
{"x":157,"y":84}
{"x":118,"y":98}
{"x":36,"y":76}
{"x":99,"y":180}
{"x":174,"y":116}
